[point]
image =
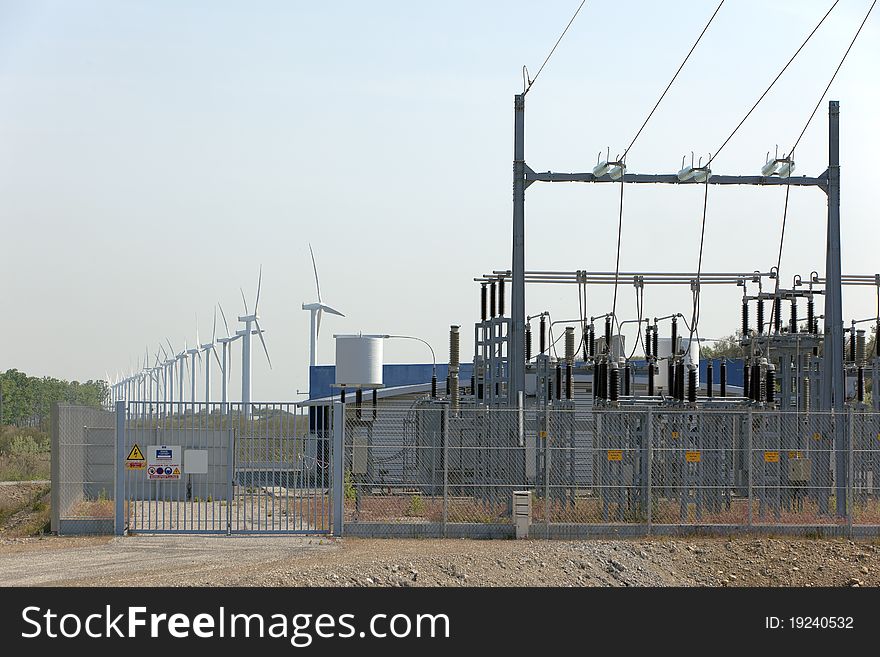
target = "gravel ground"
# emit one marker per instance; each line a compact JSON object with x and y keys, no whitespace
{"x":295,"y":561}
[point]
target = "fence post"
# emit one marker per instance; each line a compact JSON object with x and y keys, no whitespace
{"x":444,"y":428}
{"x":230,"y":475}
{"x":338,"y":493}
{"x":119,"y":483}
{"x":649,"y":457}
{"x":749,"y":460}
{"x":850,"y":488}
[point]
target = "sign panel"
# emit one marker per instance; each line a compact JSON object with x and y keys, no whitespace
{"x":164,"y":462}
{"x":675,"y":434}
{"x":771,"y":457}
{"x":692,"y":457}
{"x":135,"y":459}
{"x":195,"y":461}
{"x":615,"y":454}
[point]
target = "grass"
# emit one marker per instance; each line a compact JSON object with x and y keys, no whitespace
{"x":35,"y":506}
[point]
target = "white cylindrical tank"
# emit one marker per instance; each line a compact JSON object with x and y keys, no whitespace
{"x":664,"y":349}
{"x":359,"y":360}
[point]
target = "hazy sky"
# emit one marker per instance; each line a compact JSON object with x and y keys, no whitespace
{"x":154,"y":154}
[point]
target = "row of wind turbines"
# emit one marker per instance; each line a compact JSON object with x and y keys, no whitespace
{"x":165,"y":380}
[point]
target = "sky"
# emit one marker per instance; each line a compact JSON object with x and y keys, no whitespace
{"x":155,"y":154}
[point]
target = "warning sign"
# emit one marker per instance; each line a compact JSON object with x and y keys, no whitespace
{"x":818,"y":436}
{"x":543,"y":434}
{"x":795,"y":455}
{"x":164,"y":462}
{"x":771,"y":457}
{"x":135,"y":459}
{"x":692,"y":457}
{"x":615,"y":454}
{"x":675,"y":434}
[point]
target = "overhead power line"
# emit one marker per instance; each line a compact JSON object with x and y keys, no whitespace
{"x":530,"y":82}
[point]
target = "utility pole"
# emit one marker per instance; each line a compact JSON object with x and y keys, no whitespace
{"x":517,"y":355}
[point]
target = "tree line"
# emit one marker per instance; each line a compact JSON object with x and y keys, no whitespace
{"x":26,"y":401}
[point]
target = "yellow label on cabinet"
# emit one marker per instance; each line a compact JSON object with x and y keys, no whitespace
{"x":771,"y":457}
{"x":692,"y":457}
{"x":615,"y":454}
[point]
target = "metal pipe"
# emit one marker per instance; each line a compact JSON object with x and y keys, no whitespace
{"x":722,"y":388}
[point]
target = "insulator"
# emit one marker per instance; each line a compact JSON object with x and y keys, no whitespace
{"x":608,"y":335}
{"x":542,"y":337}
{"x":722,"y":386}
{"x":558,"y":381}
{"x":528,"y":342}
{"x":777,"y":314}
{"x":569,"y":382}
{"x":376,"y":401}
{"x":648,"y":342}
{"x":497,"y":388}
{"x":595,"y":381}
{"x":592,"y":341}
{"x":811,"y":315}
{"x":342,"y":395}
{"x":709,"y":373}
{"x":613,"y":383}
{"x":760,"y":316}
{"x":483,"y":302}
{"x":501,"y":296}
{"x":455,"y":392}
{"x":852,"y":346}
{"x":757,"y":382}
{"x":454,"y":338}
{"x":670,"y":378}
{"x":745,"y":318}
{"x":650,"y":379}
{"x":655,"y":336}
{"x":549,"y":388}
{"x":473,"y":385}
{"x":492,"y":299}
{"x":448,"y":386}
{"x":603,"y":380}
{"x":747,"y":370}
{"x":674,"y":341}
{"x":480,"y":392}
{"x":681,"y":390}
{"x":860,"y":346}
{"x":569,"y":344}
{"x":771,"y":385}
{"x":807,"y":395}
{"x":860,"y":384}
{"x":433,"y":386}
{"x":627,"y":375}
{"x":585,"y":339}
{"x":793,"y":324}
{"x":692,"y":385}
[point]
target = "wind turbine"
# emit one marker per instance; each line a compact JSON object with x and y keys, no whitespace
{"x":208,"y":348}
{"x":224,"y":366}
{"x":181,"y":358}
{"x":316,"y":310}
{"x":250,"y":319}
{"x":192,"y":353}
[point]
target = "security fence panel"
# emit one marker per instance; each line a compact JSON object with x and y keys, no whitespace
{"x":865,"y":434}
{"x":83,"y":458}
{"x":225,"y":468}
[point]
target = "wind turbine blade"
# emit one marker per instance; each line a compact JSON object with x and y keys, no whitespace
{"x":318,"y":324}
{"x":224,"y":319}
{"x":259,"y":284}
{"x":217,"y":358}
{"x":170,"y":348}
{"x":198,"y":338}
{"x":332,"y":311}
{"x":244,"y":301}
{"x":263,"y":341}
{"x":214,"y":331}
{"x":315,"y":267}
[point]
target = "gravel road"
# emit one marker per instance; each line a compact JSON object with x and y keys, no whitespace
{"x":296,"y":561}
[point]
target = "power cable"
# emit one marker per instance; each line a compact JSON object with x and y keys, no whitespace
{"x":767,"y":90}
{"x":530,"y":82}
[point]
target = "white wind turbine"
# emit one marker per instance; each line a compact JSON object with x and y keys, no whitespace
{"x":193,"y":352}
{"x":250,"y":319}
{"x":316,"y":310}
{"x":224,"y":365}
{"x":208,"y":348}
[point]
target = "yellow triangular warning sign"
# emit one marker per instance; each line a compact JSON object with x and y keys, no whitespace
{"x":135,"y":454}
{"x":177,"y":471}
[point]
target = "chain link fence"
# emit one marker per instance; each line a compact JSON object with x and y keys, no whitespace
{"x":83,"y":470}
{"x":425,"y":469}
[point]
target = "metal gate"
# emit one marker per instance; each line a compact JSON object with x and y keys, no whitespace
{"x":225,"y":469}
